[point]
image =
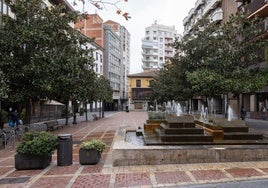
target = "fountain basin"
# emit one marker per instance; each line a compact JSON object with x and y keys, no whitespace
{"x":215,"y":131}
{"x":134,"y":152}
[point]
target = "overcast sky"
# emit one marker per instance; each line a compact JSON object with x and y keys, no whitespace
{"x":143,"y":14}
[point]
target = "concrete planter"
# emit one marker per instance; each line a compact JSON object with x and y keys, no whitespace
{"x":89,"y":156}
{"x":28,"y":162}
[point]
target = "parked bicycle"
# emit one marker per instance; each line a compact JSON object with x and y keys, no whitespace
{"x":10,"y":134}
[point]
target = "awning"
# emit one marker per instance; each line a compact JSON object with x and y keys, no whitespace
{"x":53,"y":103}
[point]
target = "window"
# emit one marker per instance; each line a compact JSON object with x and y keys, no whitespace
{"x":138,"y":83}
{"x":97,"y":56}
{"x":4,"y":8}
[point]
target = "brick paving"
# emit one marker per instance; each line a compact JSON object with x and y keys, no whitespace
{"x":100,"y":176}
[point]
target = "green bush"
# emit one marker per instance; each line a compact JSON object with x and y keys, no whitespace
{"x":38,"y":144}
{"x":94,"y":144}
{"x":4,"y":116}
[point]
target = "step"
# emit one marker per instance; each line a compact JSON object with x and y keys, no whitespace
{"x":181,"y":124}
{"x":234,"y":128}
{"x":242,"y":136}
{"x":166,"y":130}
{"x":184,"y":137}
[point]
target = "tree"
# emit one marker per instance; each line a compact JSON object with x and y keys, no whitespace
{"x":104,"y":92}
{"x":219,"y":59}
{"x":100,"y":4}
{"x":41,"y":55}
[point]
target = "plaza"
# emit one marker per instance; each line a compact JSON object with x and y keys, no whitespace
{"x":104,"y":174}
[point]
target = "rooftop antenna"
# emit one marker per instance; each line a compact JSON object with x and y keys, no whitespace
{"x":156,"y":21}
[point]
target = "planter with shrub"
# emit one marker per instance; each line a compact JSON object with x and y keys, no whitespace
{"x":35,"y":151}
{"x":90,"y":152}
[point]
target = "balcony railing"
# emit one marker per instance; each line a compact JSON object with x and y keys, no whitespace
{"x":217,"y":16}
{"x":255,"y":6}
{"x":210,"y":6}
{"x":141,"y":93}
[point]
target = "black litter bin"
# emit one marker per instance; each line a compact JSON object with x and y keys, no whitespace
{"x":65,"y":150}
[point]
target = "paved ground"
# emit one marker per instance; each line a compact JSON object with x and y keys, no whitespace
{"x":246,"y":174}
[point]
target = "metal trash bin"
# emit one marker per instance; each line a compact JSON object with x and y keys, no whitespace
{"x":65,"y":150}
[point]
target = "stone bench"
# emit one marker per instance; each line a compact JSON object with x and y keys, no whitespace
{"x":52,"y":125}
{"x":36,"y":127}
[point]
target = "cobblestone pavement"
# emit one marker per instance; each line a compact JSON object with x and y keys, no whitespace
{"x":98,"y":176}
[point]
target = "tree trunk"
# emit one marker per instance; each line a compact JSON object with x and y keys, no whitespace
{"x":85,"y":107}
{"x":28,"y":111}
{"x":74,"y":113}
{"x":66,"y":113}
{"x":238,"y":107}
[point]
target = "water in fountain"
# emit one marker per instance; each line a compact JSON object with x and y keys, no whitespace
{"x":230,"y":113}
{"x":155,"y":105}
{"x":202,"y":114}
{"x":178,"y":109}
{"x":164,"y":105}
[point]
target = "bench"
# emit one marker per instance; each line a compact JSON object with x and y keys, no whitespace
{"x":36,"y":127}
{"x":95,"y":117}
{"x":52,"y":125}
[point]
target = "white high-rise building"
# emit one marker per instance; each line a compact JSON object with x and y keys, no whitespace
{"x":156,"y":49}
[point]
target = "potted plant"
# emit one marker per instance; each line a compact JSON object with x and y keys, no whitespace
{"x":35,"y":151}
{"x":90,"y":151}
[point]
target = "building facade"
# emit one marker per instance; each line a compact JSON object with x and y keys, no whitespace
{"x":257,"y":104}
{"x":92,"y":27}
{"x":219,"y":11}
{"x":125,"y":58}
{"x":140,"y":89}
{"x":115,"y":39}
{"x":4,"y":10}
{"x":156,"y":49}
{"x":112,"y":64}
{"x":215,"y":10}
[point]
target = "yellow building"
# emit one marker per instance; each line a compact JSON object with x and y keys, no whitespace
{"x":140,"y":88}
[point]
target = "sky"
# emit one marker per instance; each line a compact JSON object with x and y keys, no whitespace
{"x":143,"y":14}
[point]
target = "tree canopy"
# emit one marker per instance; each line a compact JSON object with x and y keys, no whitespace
{"x":41,"y":54}
{"x":217,"y":59}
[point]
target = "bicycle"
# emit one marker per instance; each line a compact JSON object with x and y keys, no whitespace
{"x":5,"y":136}
{"x":10,"y":133}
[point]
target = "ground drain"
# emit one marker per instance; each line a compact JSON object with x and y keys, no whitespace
{"x":14,"y":180}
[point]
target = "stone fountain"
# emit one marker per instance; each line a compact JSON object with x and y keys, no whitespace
{"x":171,"y":139}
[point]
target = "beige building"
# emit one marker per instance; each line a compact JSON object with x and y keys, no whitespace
{"x":140,"y":88}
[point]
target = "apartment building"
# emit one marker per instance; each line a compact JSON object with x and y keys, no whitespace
{"x":219,"y":11}
{"x":112,"y":64}
{"x":3,"y":10}
{"x":92,"y":27}
{"x":115,"y":39}
{"x":215,"y":10}
{"x":156,"y":49}
{"x":125,"y":57}
{"x":257,"y":104}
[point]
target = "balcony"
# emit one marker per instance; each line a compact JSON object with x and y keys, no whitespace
{"x":141,"y":93}
{"x":210,"y":6}
{"x":259,"y":8}
{"x":217,"y":16}
{"x":149,"y":44}
{"x":199,"y":2}
{"x":150,"y":60}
